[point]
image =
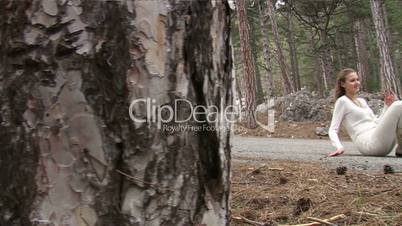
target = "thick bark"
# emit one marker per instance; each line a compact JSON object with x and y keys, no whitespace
{"x":71,"y":155}
{"x":361,"y":52}
{"x":286,"y":82}
{"x":266,"y":49}
{"x":248,"y":64}
{"x":389,"y":79}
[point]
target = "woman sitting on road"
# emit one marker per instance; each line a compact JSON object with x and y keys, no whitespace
{"x":373,"y":136}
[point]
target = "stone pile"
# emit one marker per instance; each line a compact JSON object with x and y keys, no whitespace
{"x":303,"y":106}
{"x":306,"y":106}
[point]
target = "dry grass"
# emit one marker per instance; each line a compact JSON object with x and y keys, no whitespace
{"x":304,"y":190}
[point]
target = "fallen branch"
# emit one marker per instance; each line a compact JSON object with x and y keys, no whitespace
{"x":263,"y":166}
{"x":334,"y":218}
{"x":276,"y":169}
{"x":321,"y":221}
{"x":374,"y":215}
{"x":255,"y":223}
{"x":250,"y":182}
{"x":256,"y":170}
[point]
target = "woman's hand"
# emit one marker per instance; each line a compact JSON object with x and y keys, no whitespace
{"x":389,"y":98}
{"x":338,"y":151}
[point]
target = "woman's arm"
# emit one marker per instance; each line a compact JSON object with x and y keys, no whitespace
{"x":337,"y":117}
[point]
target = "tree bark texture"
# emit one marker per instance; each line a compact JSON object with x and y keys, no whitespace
{"x":389,"y":80}
{"x":286,"y":82}
{"x":248,"y":64}
{"x":266,"y":49}
{"x":71,"y":155}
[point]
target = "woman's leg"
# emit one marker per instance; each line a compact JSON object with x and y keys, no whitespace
{"x":390,"y":125}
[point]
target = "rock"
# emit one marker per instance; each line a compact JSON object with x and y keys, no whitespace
{"x":50,"y":7}
{"x":306,"y":106}
{"x":376,"y":105}
{"x":321,"y":131}
{"x":262,"y":108}
{"x":302,"y":106}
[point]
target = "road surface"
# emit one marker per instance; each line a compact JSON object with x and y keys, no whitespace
{"x":307,"y":150}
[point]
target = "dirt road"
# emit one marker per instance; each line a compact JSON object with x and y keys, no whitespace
{"x":307,"y":150}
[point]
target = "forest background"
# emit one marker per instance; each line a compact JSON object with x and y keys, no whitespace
{"x":279,"y":47}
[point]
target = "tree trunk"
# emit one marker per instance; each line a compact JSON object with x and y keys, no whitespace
{"x":361,"y":52}
{"x":342,"y":51}
{"x":71,"y":153}
{"x":318,"y":76}
{"x":266,"y":49}
{"x":389,"y":80}
{"x":400,"y":60}
{"x":260,"y":90}
{"x":254,"y":46}
{"x":286,"y":82}
{"x":326,"y":60}
{"x":248,"y":61}
{"x":293,"y":51}
{"x":237,"y":95}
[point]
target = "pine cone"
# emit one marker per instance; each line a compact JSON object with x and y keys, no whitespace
{"x":388,"y":169}
{"x":341,"y":170}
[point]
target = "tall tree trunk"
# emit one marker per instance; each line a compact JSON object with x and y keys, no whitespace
{"x":342,"y":51}
{"x":400,"y":61}
{"x":326,"y":60}
{"x":237,"y":95}
{"x":318,"y":71}
{"x":318,"y":76}
{"x":266,"y":49}
{"x":71,"y":154}
{"x":286,"y":82}
{"x":260,"y":90}
{"x":293,"y":51}
{"x":389,"y":80}
{"x":361,"y":52}
{"x":255,"y":49}
{"x":248,"y":65}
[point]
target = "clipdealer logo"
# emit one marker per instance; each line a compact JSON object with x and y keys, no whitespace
{"x":176,"y":116}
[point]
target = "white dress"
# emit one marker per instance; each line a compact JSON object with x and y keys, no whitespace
{"x":372,"y":135}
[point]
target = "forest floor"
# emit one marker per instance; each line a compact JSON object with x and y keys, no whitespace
{"x":287,"y":193}
{"x":272,"y":192}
